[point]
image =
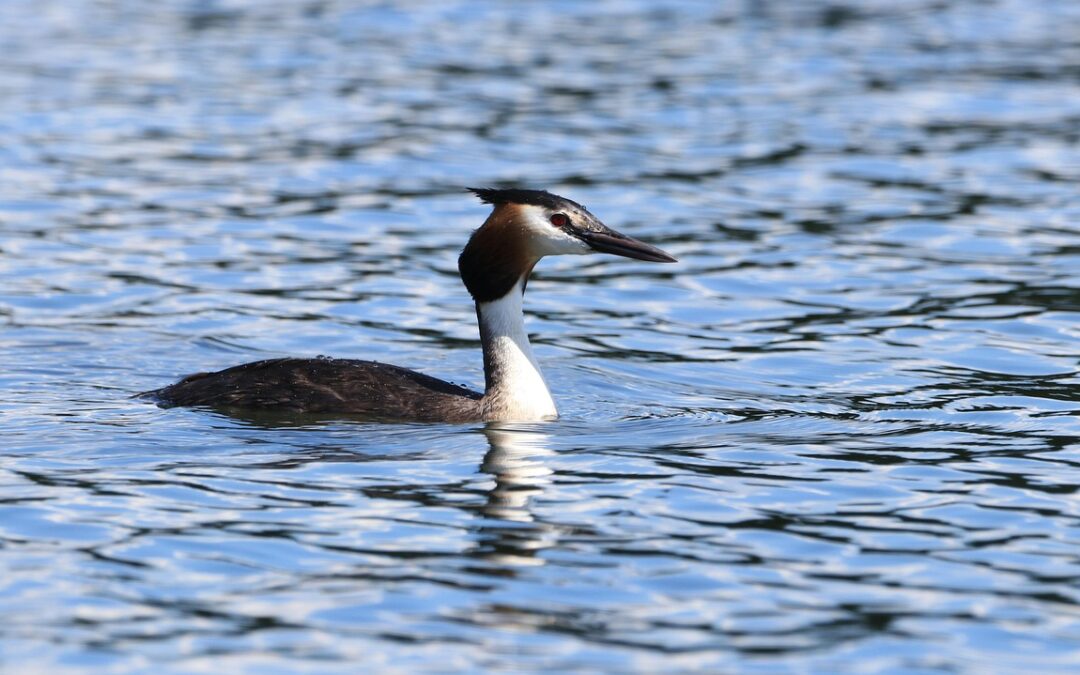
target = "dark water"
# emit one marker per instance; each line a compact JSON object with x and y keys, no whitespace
{"x":841,"y":435}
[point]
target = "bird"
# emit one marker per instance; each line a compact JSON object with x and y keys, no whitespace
{"x":524,"y":226}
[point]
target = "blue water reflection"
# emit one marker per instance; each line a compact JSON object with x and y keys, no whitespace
{"x":840,"y":435}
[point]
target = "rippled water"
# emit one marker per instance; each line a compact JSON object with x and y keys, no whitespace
{"x":842,"y":434}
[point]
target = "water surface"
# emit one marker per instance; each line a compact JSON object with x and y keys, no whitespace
{"x":840,"y":435}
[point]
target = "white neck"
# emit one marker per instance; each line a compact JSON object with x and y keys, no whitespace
{"x":516,"y":390}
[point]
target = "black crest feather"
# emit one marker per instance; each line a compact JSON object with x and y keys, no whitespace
{"x":521,"y":196}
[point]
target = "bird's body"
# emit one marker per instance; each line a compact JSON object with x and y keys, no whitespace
{"x":524,"y":226}
{"x":328,"y":386}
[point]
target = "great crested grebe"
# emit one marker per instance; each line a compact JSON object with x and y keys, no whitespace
{"x":524,"y":226}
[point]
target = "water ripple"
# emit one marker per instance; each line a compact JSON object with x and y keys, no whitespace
{"x":840,"y":435}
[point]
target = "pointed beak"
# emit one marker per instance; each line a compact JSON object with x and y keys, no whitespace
{"x":616,"y":243}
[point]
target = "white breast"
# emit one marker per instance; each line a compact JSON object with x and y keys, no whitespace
{"x":516,"y":390}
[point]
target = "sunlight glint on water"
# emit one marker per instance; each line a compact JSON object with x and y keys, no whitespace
{"x":840,"y":435}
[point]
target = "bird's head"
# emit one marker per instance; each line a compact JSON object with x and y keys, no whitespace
{"x":526,"y":225}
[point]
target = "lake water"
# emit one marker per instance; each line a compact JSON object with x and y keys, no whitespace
{"x":843,"y":434}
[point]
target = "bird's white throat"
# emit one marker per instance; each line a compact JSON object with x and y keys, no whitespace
{"x":516,"y":390}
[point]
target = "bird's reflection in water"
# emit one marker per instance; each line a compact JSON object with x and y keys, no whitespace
{"x":510,"y":534}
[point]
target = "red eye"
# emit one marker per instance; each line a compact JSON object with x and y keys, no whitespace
{"x":560,"y":220}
